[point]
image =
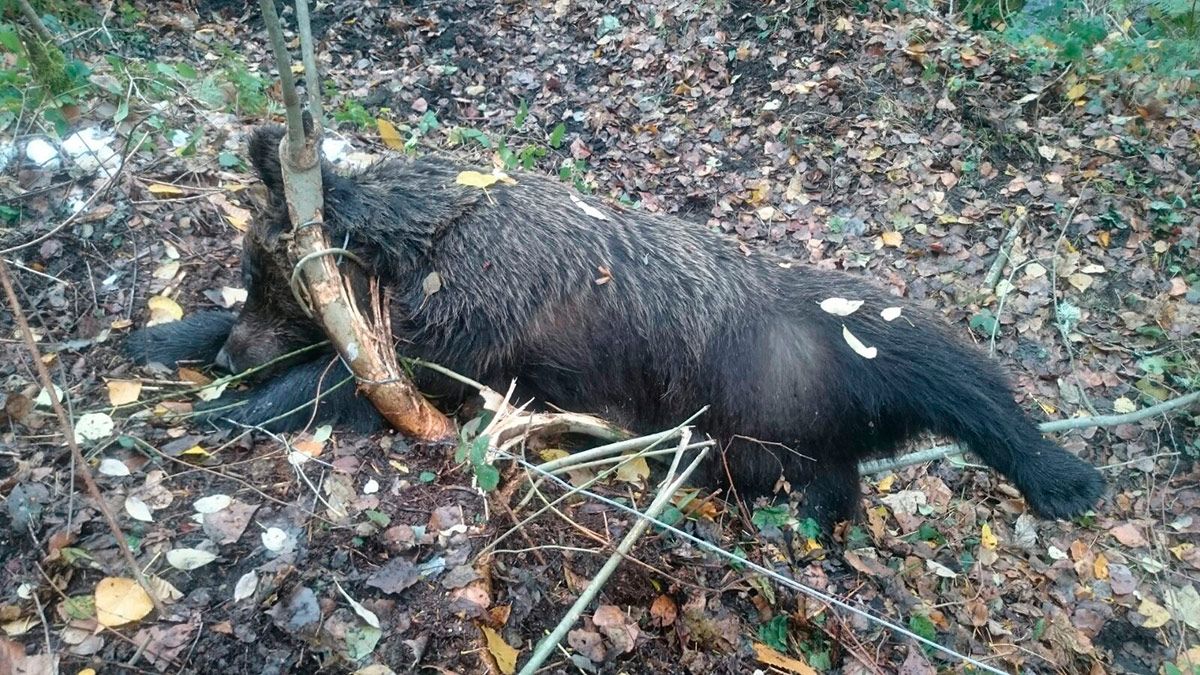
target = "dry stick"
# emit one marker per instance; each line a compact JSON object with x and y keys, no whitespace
{"x":312,"y":75}
{"x":769,"y":573}
{"x":670,"y":485}
{"x":333,"y":302}
{"x":942,"y":451}
{"x":1005,"y":254}
{"x":69,"y":431}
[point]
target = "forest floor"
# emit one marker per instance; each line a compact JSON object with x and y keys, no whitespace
{"x":899,"y":145}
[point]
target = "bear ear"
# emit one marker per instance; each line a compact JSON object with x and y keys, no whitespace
{"x":264,"y":155}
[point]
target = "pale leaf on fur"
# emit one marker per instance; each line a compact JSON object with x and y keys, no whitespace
{"x":840,"y":306}
{"x":857,"y":345}
{"x":890,"y":313}
{"x":588,"y":209}
{"x":483,"y":180}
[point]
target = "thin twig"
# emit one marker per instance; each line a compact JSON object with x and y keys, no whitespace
{"x":943,"y":451}
{"x":670,"y":485}
{"x":68,"y":430}
{"x":772,"y":574}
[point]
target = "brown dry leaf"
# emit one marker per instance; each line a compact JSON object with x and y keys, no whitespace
{"x":663,"y":611}
{"x":505,"y":655}
{"x":237,"y":216}
{"x":121,"y":392}
{"x":389,"y":134}
{"x":120,"y":601}
{"x":1129,"y":535}
{"x":1080,"y":280}
{"x":769,"y":656}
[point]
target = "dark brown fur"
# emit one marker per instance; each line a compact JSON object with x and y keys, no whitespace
{"x":644,"y":319}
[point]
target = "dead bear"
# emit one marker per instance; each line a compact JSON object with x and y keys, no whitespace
{"x":643,"y":319}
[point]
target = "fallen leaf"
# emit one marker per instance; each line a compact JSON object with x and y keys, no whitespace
{"x":892,"y":239}
{"x":987,"y":539}
{"x":121,"y":392}
{"x":840,"y":306}
{"x":1129,"y":535}
{"x":93,"y":427}
{"x":363,"y":613}
{"x":890,"y":313}
{"x":1077,"y":91}
{"x":663,"y":611}
{"x":163,"y":189}
{"x":163,"y":310}
{"x":189,"y":558}
{"x":120,"y":601}
{"x":389,"y":134}
{"x":1184,"y":603}
{"x":113,"y":467}
{"x":588,"y":209}
{"x":245,"y":586}
{"x":501,"y":651}
{"x":857,"y":345}
{"x":138,"y":510}
{"x":769,"y":656}
{"x":1155,"y":614}
{"x":212,"y":503}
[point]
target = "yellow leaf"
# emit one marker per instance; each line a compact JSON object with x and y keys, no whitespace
{"x":506,"y":656}
{"x":893,"y":239}
{"x":886,"y":484}
{"x":550,"y":454}
{"x":120,"y":601}
{"x":760,"y":193}
{"x":1103,"y":238}
{"x":1100,"y":566}
{"x":1182,"y":549}
{"x":389,"y":134}
{"x":163,"y":189}
{"x":476,"y":179}
{"x":635,"y":470}
{"x":1156,"y":615}
{"x":769,"y":656}
{"x":121,"y":392}
{"x":987,"y":539}
{"x":197,"y":451}
{"x":163,"y":310}
{"x":875,"y":153}
{"x":1077,"y":91}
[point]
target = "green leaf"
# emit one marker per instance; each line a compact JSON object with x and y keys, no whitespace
{"x":487,"y":476}
{"x":556,"y":136}
{"x":770,"y":516}
{"x":479,"y":448}
{"x":80,"y":607}
{"x":809,"y":529}
{"x":774,"y":633}
{"x":984,"y":323}
{"x":921,"y":625}
{"x":378,"y":517}
{"x":228,"y":160}
{"x":427,"y":477}
{"x":9,"y":39}
{"x":522,"y":113}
